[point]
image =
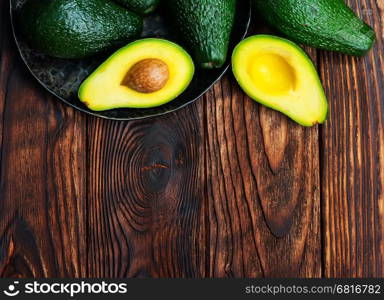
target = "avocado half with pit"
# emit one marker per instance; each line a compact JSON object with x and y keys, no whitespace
{"x":143,"y":74}
{"x":277,"y":73}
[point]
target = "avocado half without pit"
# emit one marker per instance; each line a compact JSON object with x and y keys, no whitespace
{"x":277,"y":73}
{"x":143,"y":74}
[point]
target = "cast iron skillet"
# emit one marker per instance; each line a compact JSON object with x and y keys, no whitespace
{"x":63,"y":77}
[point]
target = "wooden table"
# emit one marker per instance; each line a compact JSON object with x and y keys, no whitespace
{"x":222,"y":188}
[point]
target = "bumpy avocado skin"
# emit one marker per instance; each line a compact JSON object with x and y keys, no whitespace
{"x":77,"y":28}
{"x":324,"y":24}
{"x":206,"y":27}
{"x":142,"y":7}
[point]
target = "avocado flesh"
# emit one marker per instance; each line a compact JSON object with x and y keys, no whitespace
{"x":277,"y":73}
{"x":142,"y":7}
{"x":77,"y":28}
{"x":206,"y":27}
{"x":324,"y":24}
{"x":104,"y":88}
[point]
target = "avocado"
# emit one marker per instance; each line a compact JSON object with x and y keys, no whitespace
{"x":142,"y":7}
{"x":278,"y":74}
{"x":206,"y":27}
{"x":77,"y":28}
{"x":146,"y":73}
{"x":324,"y":24}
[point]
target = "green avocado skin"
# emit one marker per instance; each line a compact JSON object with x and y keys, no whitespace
{"x":206,"y":27}
{"x":77,"y":28}
{"x":142,"y":7}
{"x":324,"y":24}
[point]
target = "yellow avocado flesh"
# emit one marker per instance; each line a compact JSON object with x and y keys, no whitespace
{"x":104,"y":88}
{"x":277,"y":73}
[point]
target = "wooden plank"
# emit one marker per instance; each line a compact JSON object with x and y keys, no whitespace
{"x":262,"y":198}
{"x":6,"y":60}
{"x":42,"y":228}
{"x":353,"y":157}
{"x":143,"y":196}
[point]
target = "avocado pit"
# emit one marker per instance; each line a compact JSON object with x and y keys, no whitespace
{"x":147,"y":76}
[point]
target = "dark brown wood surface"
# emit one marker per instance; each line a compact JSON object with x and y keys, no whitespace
{"x":222,"y":188}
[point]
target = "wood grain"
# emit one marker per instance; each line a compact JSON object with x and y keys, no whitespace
{"x":42,"y":213}
{"x":42,"y":208}
{"x":253,"y":206}
{"x":143,"y":200}
{"x":353,"y":157}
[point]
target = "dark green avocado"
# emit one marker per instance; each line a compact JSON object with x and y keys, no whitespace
{"x":142,"y":7}
{"x":324,"y":24}
{"x":77,"y":28}
{"x":206,"y":27}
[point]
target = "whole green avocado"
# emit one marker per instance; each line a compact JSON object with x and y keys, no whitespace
{"x":142,"y":7}
{"x":77,"y":28}
{"x":206,"y":27}
{"x":324,"y":24}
